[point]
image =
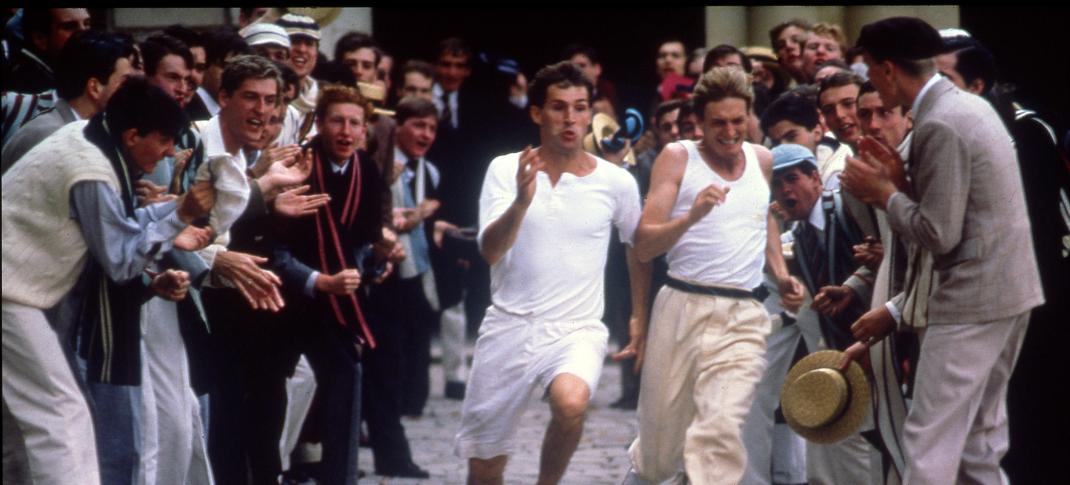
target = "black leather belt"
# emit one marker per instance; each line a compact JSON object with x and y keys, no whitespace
{"x":758,"y":294}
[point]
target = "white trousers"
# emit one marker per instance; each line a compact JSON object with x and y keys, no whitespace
{"x":775,"y":453}
{"x":299,"y":391}
{"x":703,"y":362}
{"x":515,"y":355}
{"x":172,"y":432}
{"x":41,"y":392}
{"x":846,"y":461}
{"x":956,"y":430}
{"x":454,"y":361}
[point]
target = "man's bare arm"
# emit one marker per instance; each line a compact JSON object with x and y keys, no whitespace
{"x":639,"y":282}
{"x":656,"y":233}
{"x":500,"y":235}
{"x":791,"y":290}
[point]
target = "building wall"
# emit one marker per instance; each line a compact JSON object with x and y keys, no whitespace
{"x":143,"y":19}
{"x":748,"y":26}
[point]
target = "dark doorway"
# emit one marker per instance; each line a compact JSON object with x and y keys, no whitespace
{"x":626,"y":39}
{"x":1030,"y":46}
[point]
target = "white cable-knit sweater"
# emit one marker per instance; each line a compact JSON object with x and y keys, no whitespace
{"x":43,"y":249}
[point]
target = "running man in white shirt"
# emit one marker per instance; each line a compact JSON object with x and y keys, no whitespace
{"x":546,"y":215}
{"x":708,"y":207}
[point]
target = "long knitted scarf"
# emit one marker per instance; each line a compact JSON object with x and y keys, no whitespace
{"x":329,"y":244}
{"x":111,"y":315}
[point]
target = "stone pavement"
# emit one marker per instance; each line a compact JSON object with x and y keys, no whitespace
{"x":601,"y":457}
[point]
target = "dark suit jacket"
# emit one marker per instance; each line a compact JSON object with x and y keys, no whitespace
{"x":196,"y":110}
{"x":295,"y":245}
{"x":24,"y":74}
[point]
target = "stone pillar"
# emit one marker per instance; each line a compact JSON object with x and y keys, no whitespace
{"x":351,"y":19}
{"x":939,"y":16}
{"x":760,"y":20}
{"x":726,"y":25}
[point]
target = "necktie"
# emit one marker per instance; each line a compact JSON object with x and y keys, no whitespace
{"x":817,"y":260}
{"x":413,"y":196}
{"x":447,"y":113}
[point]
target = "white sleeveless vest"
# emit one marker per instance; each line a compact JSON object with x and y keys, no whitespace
{"x":43,"y":247}
{"x":727,"y":246}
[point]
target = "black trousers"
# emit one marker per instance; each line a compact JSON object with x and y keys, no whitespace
{"x":256,"y":352}
{"x":403,"y":313}
{"x":396,"y":378}
{"x":335,"y":362}
{"x":246,"y":409}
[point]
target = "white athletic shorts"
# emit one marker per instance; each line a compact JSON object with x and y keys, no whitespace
{"x":513,"y":356}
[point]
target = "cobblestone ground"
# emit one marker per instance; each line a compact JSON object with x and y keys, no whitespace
{"x":601,"y":457}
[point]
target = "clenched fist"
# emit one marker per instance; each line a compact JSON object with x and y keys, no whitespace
{"x":197,"y":202}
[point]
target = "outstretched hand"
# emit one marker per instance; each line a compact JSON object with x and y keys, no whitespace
{"x":194,"y":238}
{"x":888,"y":158}
{"x":875,"y":174}
{"x":293,"y":202}
{"x":260,"y":287}
{"x":150,"y":193}
{"x":636,"y":345}
{"x":526,"y":171}
{"x":286,"y":154}
{"x":284,"y":174}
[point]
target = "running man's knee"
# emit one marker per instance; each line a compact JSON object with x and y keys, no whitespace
{"x":569,"y":396}
{"x":486,"y":472}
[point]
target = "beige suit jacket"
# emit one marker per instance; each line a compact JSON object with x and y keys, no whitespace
{"x":970,"y":211}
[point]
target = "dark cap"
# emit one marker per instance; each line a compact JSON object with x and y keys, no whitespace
{"x":903,"y":38}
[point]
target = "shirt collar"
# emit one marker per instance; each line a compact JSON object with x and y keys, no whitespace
{"x":213,"y":141}
{"x":921,"y":94}
{"x":337,"y":169}
{"x":61,"y":104}
{"x":209,"y":102}
{"x":817,"y":216}
{"x":401,"y":157}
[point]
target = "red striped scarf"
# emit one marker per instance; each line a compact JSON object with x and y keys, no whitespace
{"x":325,"y":220}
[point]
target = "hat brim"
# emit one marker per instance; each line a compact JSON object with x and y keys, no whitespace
{"x":858,"y":404}
{"x":603,"y":125}
{"x":796,"y":163}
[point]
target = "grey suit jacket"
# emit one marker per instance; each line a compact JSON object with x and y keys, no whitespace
{"x":34,"y":131}
{"x":970,"y":211}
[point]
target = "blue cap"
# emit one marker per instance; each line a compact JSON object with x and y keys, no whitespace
{"x":789,"y":155}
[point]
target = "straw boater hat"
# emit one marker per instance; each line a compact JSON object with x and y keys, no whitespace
{"x":768,"y":58}
{"x":822,"y":404}
{"x":604,"y":126}
{"x":377,"y":95}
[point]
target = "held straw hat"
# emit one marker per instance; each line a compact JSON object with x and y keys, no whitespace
{"x":822,"y":404}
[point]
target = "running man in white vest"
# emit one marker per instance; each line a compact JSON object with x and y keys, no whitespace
{"x":708,"y":207}
{"x":546,"y":215}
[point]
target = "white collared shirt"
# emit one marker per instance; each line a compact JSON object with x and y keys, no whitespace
{"x":213,"y":141}
{"x":436,"y":97}
{"x":337,"y":169}
{"x":555,"y":270}
{"x":209,"y":102}
{"x":921,"y":94}
{"x":817,"y":216}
